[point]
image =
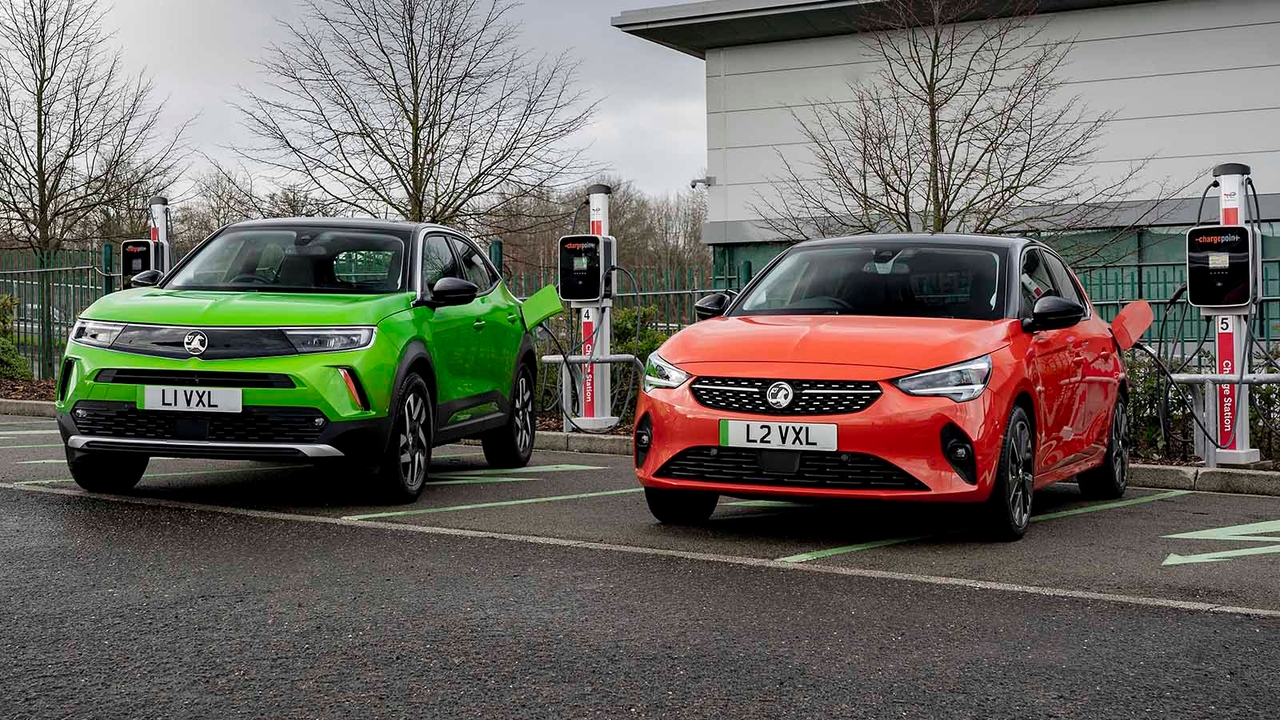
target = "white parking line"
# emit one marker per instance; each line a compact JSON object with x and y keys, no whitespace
{"x":63,"y":461}
{"x":971,"y":584}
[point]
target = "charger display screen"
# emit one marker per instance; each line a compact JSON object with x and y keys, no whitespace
{"x":1219,"y":266}
{"x":580,"y":268}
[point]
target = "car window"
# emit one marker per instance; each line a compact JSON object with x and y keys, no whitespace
{"x":473,"y":265}
{"x":437,"y":261}
{"x":1036,"y":280}
{"x":895,"y":278}
{"x":297,"y":259}
{"x":1062,"y":279}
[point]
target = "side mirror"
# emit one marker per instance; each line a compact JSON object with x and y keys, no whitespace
{"x":146,"y":278}
{"x":1053,"y":312}
{"x":1131,"y":322}
{"x":711,"y":306}
{"x":450,"y":291}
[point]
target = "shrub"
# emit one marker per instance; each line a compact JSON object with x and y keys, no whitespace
{"x":8,"y":306}
{"x":12,"y":365}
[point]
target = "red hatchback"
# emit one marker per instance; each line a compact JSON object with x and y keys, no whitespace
{"x":926,"y":368}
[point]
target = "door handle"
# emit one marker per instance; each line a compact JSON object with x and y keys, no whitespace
{"x":513,"y":318}
{"x":478,"y":325}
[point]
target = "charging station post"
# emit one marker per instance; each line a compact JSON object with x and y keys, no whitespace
{"x":586,"y":265}
{"x":1224,"y":277}
{"x":150,"y":253}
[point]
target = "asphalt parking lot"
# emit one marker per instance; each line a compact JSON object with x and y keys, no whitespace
{"x":551,"y":592}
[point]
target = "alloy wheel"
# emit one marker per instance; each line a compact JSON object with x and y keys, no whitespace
{"x":414,"y":445}
{"x":523,"y":412}
{"x":1021,"y":474}
{"x":1120,"y":446}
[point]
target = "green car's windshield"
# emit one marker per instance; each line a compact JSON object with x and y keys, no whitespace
{"x":301,"y":259}
{"x":897,"y":279}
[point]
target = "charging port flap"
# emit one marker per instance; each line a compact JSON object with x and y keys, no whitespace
{"x":1131,"y":322}
{"x":541,"y":306}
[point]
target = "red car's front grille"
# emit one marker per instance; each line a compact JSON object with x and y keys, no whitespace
{"x":788,"y":468}
{"x":808,"y":397}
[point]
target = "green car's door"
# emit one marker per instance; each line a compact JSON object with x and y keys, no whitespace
{"x":455,"y":332}
{"x":503,"y":329}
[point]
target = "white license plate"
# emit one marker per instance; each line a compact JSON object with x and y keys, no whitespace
{"x":779,"y":435}
{"x":185,"y":399}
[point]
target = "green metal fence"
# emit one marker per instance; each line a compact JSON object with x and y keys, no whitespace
{"x":48,"y":294}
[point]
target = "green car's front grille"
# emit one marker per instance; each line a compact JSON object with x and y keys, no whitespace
{"x":195,"y":378}
{"x":255,"y":424}
{"x":223,"y":343}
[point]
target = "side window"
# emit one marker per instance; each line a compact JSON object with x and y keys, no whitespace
{"x":437,"y":261}
{"x":1062,"y":279}
{"x":474,"y":267}
{"x":1036,"y":280}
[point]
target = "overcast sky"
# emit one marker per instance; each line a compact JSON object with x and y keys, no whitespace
{"x":651,"y":126}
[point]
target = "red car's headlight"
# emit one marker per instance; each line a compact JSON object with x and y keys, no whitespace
{"x":960,"y":382}
{"x":659,"y":373}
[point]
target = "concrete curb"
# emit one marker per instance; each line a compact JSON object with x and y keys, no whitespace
{"x":28,"y":408}
{"x":578,"y":442}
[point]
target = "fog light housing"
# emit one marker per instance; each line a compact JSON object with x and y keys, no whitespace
{"x":643,"y":439}
{"x":958,"y":449}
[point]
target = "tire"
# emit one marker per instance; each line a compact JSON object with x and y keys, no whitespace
{"x":1109,"y":480}
{"x":511,"y":446}
{"x":681,"y":507}
{"x":402,"y":472}
{"x":1007,"y":512}
{"x":107,"y":472}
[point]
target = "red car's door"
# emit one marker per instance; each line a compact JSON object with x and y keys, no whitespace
{"x":1099,"y":364}
{"x":1055,"y":359}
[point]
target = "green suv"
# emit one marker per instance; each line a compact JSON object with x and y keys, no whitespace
{"x":361,"y":343}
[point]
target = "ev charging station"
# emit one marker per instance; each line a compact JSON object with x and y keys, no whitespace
{"x":1224,"y":278}
{"x":586,"y":280}
{"x":151,"y":253}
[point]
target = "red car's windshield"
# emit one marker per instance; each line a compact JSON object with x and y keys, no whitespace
{"x":889,"y":279}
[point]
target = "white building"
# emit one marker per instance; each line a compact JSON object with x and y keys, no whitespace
{"x":1194,"y":83}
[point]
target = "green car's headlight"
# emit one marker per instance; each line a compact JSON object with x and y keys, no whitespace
{"x":318,"y":340}
{"x":960,"y":382}
{"x":97,"y":334}
{"x":659,"y":373}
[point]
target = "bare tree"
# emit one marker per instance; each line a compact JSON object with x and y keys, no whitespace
{"x":79,"y":139}
{"x":222,"y":195}
{"x":77,"y":135}
{"x":962,"y":126}
{"x":424,"y":109}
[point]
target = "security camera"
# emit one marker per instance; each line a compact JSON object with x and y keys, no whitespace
{"x":709,"y":181}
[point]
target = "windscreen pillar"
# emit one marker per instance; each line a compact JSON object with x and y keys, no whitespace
{"x":1231,"y":274}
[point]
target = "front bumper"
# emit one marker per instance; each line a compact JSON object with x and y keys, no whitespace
{"x":892,"y":450}
{"x":311,"y":417}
